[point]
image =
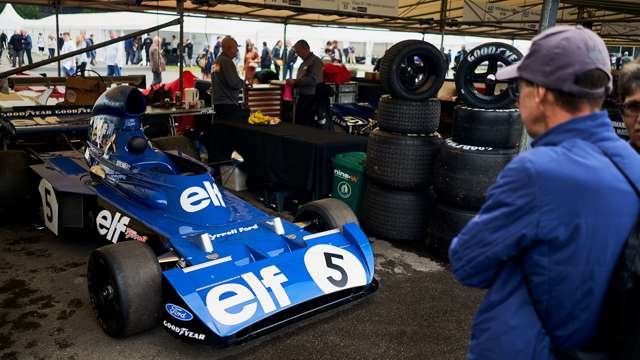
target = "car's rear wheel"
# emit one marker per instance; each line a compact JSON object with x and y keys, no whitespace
{"x":125,"y":288}
{"x":325,"y":214}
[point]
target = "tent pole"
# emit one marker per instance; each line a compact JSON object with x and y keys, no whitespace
{"x":549,"y":14}
{"x":181,"y":49}
{"x":57,"y":6}
{"x":443,"y":20}
{"x":284,"y":53}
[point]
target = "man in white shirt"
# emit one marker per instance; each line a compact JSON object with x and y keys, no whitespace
{"x":112,"y":57}
{"x":68,"y":65}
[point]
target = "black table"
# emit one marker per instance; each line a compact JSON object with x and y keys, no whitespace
{"x":284,"y":156}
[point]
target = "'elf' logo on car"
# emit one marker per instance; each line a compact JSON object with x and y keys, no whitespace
{"x":111,"y":226}
{"x":196,"y":198}
{"x":222,"y":298}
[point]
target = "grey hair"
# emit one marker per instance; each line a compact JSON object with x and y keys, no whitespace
{"x":629,"y":79}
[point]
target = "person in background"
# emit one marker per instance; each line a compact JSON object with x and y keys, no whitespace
{"x":128,"y":51}
{"x":137,"y":51}
{"x":40,"y":44}
{"x":82,"y":59}
{"x":459,"y":56}
{"x":329,"y":46}
{"x":69,"y":64}
{"x":266,"y":58}
{"x":91,"y":55}
{"x":3,"y":44}
{"x":276,"y":52}
{"x":60,"y":42}
{"x":550,"y":233}
{"x":207,"y":54}
{"x":227,"y":84}
{"x":17,"y":45}
{"x":188,"y":53}
{"x":217,"y":47}
{"x":146,"y":44}
{"x":251,"y":61}
{"x":112,"y":57}
{"x":352,"y":54}
{"x":174,"y":45}
{"x":626,"y":59}
{"x":28,"y":45}
{"x":291,"y":61}
{"x":308,"y":77}
{"x":337,"y":53}
{"x":157,"y":61}
{"x":51,"y":45}
{"x":629,"y":91}
{"x":327,"y":58}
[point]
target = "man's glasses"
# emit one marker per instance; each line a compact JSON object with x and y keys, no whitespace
{"x":631,"y":108}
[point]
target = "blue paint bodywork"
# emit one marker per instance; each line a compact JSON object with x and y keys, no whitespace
{"x":177,"y":198}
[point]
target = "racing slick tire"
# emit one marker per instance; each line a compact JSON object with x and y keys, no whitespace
{"x":490,"y":128}
{"x":403,"y":116}
{"x":404,"y":78}
{"x":325,"y":214}
{"x":464,"y":173}
{"x":395,"y":214}
{"x":446,"y":223}
{"x":15,"y":187}
{"x":401,"y":162}
{"x":177,"y":143}
{"x":493,"y":54}
{"x":125,"y":288}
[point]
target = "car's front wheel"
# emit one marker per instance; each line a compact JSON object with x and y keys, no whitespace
{"x":325,"y":214}
{"x":125,"y":288}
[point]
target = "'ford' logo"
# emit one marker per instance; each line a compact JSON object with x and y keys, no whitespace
{"x":178,"y":312}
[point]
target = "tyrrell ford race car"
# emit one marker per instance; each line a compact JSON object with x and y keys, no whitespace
{"x":205,"y":264}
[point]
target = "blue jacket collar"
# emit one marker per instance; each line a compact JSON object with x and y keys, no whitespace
{"x":595,"y":126}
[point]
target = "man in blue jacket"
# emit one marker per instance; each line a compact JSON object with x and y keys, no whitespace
{"x":546,"y":241}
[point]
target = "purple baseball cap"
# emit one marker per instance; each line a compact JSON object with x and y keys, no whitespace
{"x":558,"y":55}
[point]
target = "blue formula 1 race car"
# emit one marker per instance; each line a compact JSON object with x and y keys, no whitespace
{"x":199,"y":260}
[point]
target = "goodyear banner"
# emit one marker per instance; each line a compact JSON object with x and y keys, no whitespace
{"x":492,"y":12}
{"x":620,"y":29}
{"x":307,"y":4}
{"x":371,"y":7}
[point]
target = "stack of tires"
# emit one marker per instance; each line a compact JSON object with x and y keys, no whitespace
{"x":402,"y":151}
{"x":486,"y":133}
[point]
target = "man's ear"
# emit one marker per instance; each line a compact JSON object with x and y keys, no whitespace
{"x":539,"y":95}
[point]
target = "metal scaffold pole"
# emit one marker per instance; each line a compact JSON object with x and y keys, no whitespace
{"x":181,"y":49}
{"x":57,"y":6}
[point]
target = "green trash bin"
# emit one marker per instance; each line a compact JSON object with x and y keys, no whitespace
{"x":348,"y":179}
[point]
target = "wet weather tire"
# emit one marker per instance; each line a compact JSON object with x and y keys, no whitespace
{"x":446,"y":224}
{"x":125,"y":288}
{"x":403,"y":116}
{"x":464,"y":173}
{"x":176,"y":143}
{"x":405,"y":79}
{"x":490,"y":128}
{"x":396,"y":215}
{"x":402,"y":162}
{"x":494,"y":55}
{"x":326,"y":214}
